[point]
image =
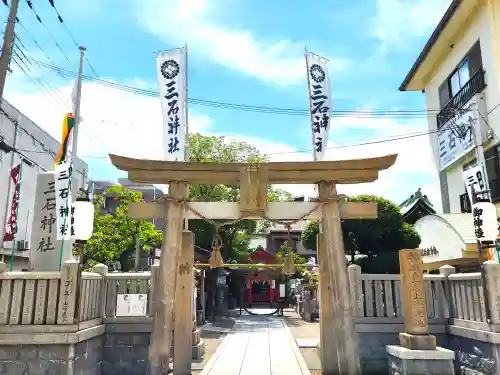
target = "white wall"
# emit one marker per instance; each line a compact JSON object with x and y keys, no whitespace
{"x":35,"y":144}
{"x":434,"y":231}
{"x":479,"y":28}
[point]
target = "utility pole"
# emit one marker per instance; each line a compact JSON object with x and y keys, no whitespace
{"x":8,"y":45}
{"x":76,"y":109}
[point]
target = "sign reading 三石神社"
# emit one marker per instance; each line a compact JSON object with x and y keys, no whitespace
{"x":47,"y":251}
{"x":320,"y":102}
{"x":171,"y":71}
{"x":65,"y":219}
{"x":475,"y":181}
{"x":11,"y":227}
{"x":484,"y":216}
{"x":456,"y":137}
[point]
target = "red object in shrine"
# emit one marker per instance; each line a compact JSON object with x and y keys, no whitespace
{"x":261,"y":256}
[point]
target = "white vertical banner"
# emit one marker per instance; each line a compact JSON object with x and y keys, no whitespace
{"x":171,"y":70}
{"x":63,"y":197}
{"x":320,"y":102}
{"x":475,"y":178}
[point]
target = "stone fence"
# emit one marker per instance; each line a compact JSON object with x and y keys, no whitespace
{"x":463,"y":311}
{"x":50,"y":326}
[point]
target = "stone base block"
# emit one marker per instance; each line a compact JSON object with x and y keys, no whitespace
{"x":198,"y":350}
{"x":405,"y":361}
{"x":195,"y":337}
{"x":417,"y":342}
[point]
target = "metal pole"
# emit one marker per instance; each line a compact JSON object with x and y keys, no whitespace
{"x":186,"y":114}
{"x":310,"y":103}
{"x":8,"y":44}
{"x":9,"y":188}
{"x":74,"y":149}
{"x":186,"y":140}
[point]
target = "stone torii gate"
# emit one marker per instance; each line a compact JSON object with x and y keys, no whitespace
{"x":339,"y":347}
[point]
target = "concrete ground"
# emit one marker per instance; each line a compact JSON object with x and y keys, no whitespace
{"x":306,"y":334}
{"x":257,"y":345}
{"x":212,"y":336}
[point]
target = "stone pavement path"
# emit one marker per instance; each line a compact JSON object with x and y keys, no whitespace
{"x":257,"y":345}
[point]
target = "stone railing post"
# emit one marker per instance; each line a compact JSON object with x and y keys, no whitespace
{"x":446,"y":271}
{"x":492,"y":290}
{"x":68,"y":292}
{"x":102,"y":270}
{"x":354,"y":272}
{"x":153,"y":287}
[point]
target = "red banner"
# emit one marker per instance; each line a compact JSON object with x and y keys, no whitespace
{"x":11,"y":227}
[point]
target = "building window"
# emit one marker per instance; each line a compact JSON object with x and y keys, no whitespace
{"x":493,"y":170}
{"x":459,"y":77}
{"x":466,"y":69}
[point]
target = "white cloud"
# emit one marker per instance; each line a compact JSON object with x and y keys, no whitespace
{"x":397,"y":22}
{"x":179,"y":21}
{"x":129,"y":124}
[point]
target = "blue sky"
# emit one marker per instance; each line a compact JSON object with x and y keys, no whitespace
{"x":240,"y":51}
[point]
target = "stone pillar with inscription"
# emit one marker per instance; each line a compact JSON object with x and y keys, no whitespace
{"x":417,"y":353}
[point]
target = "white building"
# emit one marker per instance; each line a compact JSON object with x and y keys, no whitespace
{"x":39,"y":150}
{"x":459,"y":71}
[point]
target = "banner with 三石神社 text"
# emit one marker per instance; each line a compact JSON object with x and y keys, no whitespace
{"x":320,"y":102}
{"x":11,"y":225}
{"x":47,"y":251}
{"x":171,"y":71}
{"x":65,"y":219}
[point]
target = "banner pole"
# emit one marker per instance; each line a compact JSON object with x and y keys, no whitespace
{"x":310,"y":103}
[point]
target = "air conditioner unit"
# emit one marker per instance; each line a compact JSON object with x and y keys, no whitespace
{"x":22,"y":245}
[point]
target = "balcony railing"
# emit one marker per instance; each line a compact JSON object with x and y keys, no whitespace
{"x":475,"y":85}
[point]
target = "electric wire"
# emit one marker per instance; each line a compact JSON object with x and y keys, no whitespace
{"x":416,"y":113}
{"x":339,"y":146}
{"x":61,"y":21}
{"x":39,"y":19}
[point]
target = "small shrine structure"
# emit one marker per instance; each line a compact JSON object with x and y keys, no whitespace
{"x":262,"y":285}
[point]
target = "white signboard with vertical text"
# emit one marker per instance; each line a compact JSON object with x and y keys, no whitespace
{"x":131,"y":304}
{"x":47,"y":252}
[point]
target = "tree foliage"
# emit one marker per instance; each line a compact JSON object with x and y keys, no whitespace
{"x":235,"y":237}
{"x":379,"y":239}
{"x":115,"y":236}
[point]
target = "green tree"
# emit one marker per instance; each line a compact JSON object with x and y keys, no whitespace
{"x":379,"y":239}
{"x":235,"y":237}
{"x":115,"y":236}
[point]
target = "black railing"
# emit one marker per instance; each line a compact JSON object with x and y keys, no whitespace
{"x":495,"y":189}
{"x":475,"y":85}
